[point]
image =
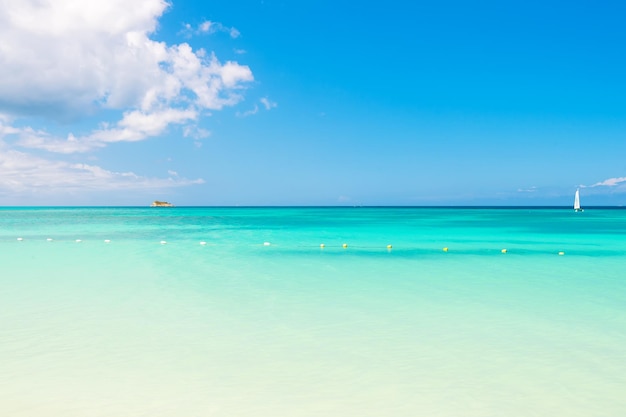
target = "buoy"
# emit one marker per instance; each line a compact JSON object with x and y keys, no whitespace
{"x":78,"y":240}
{"x":20,"y":239}
{"x":163,"y":242}
{"x":266,"y":243}
{"x":107,"y":241}
{"x":322,"y":245}
{"x":389,"y":246}
{"x":345,"y":245}
{"x":561,"y":253}
{"x":203,"y":243}
{"x":49,"y":239}
{"x":503,"y":251}
{"x":445,"y":249}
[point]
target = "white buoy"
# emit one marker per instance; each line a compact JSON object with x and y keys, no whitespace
{"x":20,"y":239}
{"x":78,"y":240}
{"x":266,"y":243}
{"x":107,"y":241}
{"x":203,"y":243}
{"x":163,"y":242}
{"x":49,"y":239}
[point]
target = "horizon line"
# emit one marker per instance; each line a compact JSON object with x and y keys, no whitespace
{"x":323,"y":206}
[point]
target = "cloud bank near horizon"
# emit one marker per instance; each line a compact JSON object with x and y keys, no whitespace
{"x":67,"y":60}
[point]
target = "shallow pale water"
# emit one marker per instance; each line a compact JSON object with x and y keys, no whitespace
{"x":235,"y":327}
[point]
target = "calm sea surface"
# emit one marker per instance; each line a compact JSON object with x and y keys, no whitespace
{"x":260,"y":320}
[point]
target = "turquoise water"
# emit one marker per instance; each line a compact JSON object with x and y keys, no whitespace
{"x":237,"y":327}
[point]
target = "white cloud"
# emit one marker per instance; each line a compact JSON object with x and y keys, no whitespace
{"x":234,"y":33}
{"x":5,"y":129}
{"x":133,"y":127}
{"x":65,"y":57}
{"x":21,"y":172}
{"x":250,"y":112}
{"x":527,"y":190}
{"x":38,"y":139}
{"x":267,"y":103}
{"x":195,"y":132}
{"x":212,"y":27}
{"x":611,"y":182}
{"x":73,"y":60}
{"x":232,"y":74}
{"x":68,"y":58}
{"x":205,"y":26}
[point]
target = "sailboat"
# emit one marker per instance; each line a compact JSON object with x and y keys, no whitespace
{"x":577,"y":201}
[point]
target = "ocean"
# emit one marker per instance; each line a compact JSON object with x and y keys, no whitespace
{"x":241,"y":312}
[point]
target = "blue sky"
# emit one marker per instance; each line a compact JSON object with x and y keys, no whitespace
{"x":312,"y":103}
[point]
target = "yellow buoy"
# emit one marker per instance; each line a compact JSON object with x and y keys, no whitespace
{"x":503,"y":251}
{"x":389,"y":246}
{"x":445,"y":249}
{"x":561,"y":253}
{"x":322,"y":245}
{"x":345,"y":245}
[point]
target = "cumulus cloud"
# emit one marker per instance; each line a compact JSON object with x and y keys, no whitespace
{"x":62,"y":58}
{"x":72,"y":60}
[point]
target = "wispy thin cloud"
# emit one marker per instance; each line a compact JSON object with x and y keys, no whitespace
{"x":247,"y":113}
{"x":134,"y":126}
{"x":210,"y":27}
{"x":610,"y":182}
{"x":195,"y":132}
{"x":267,"y":103}
{"x":527,"y":190}
{"x":21,"y":172}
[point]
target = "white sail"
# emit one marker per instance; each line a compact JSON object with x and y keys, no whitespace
{"x":577,"y":201}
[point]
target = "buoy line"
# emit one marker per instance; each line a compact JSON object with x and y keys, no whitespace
{"x":343,"y":245}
